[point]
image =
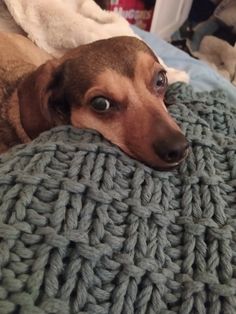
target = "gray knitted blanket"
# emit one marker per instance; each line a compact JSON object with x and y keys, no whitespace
{"x":85,"y":229}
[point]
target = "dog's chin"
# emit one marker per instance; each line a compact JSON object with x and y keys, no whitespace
{"x":161,"y":165}
{"x":165,"y":168}
{"x":156,"y":165}
{"x":153,"y":161}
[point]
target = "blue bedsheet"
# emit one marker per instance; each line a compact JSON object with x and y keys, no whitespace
{"x":202,"y":77}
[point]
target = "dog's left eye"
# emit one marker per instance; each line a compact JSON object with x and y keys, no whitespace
{"x":100,"y":104}
{"x":161,"y":80}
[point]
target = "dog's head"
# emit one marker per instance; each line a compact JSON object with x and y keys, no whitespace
{"x":115,"y":86}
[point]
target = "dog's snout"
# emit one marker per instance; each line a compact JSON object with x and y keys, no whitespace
{"x":172,"y":150}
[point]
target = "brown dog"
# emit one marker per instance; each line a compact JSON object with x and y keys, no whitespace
{"x":115,"y":86}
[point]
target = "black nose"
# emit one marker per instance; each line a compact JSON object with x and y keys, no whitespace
{"x":172,"y":149}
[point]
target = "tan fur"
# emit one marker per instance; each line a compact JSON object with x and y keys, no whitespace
{"x":136,"y":127}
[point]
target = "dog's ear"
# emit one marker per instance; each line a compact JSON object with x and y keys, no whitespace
{"x":57,"y":99}
{"x":42,"y":101}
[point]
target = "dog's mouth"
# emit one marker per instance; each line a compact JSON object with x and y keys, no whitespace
{"x":172,"y":166}
{"x":156,"y":163}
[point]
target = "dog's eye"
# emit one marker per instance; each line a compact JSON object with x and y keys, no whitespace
{"x":161,"y":80}
{"x":100,"y":104}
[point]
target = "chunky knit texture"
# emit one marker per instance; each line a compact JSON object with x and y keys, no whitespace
{"x":85,"y":229}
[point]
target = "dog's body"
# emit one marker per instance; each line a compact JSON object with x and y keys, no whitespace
{"x":115,"y":86}
{"x":18,"y":57}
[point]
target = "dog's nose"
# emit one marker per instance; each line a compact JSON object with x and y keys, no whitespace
{"x":172,"y":150}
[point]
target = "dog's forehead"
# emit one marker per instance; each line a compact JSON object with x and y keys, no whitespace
{"x":117,"y":53}
{"x":83,"y":65}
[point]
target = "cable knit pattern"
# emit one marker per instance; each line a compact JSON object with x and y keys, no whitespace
{"x":85,"y":229}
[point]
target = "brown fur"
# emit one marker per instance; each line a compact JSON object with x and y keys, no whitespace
{"x":18,"y":57}
{"x":121,"y":69}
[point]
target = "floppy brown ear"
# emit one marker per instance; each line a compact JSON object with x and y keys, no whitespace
{"x":57,"y":96}
{"x":42,"y":102}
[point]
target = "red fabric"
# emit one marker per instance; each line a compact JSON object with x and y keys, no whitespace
{"x":134,"y":11}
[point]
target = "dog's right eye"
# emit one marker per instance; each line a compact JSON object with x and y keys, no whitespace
{"x":100,"y":104}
